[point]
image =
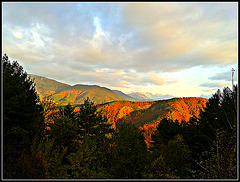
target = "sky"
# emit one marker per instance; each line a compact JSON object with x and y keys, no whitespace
{"x":177,"y":49}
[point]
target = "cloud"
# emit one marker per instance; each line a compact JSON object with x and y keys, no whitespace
{"x":119,"y":44}
{"x":158,"y":79}
{"x":219,"y":84}
{"x":175,"y":42}
{"x":227,"y":76}
{"x":18,"y":35}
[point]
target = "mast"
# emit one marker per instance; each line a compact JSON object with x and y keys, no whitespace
{"x":232,"y":77}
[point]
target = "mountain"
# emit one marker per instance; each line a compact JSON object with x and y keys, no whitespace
{"x":147,"y":97}
{"x":64,"y":93}
{"x":46,"y":86}
{"x":78,"y":93}
{"x":120,"y":93}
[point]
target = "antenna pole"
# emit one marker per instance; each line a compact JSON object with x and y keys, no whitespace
{"x":232,"y":77}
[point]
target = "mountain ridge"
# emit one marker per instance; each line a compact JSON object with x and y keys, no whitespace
{"x":126,"y":96}
{"x":76,"y":94}
{"x":148,"y":97}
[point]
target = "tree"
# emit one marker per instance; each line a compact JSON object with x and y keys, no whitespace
{"x":170,"y":155}
{"x":220,"y":162}
{"x":22,"y":119}
{"x":165,"y":131}
{"x":95,"y":131}
{"x":170,"y":160}
{"x":220,"y":114}
{"x":68,"y":111}
{"x":219,"y":122}
{"x":77,"y":144}
{"x":128,"y":152}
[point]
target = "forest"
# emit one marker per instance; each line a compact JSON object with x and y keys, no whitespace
{"x":42,"y":140}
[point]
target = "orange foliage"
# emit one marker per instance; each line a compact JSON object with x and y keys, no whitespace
{"x":148,"y":130}
{"x":119,"y":110}
{"x":182,"y":109}
{"x":185,"y":108}
{"x":139,"y":112}
{"x":50,"y":112}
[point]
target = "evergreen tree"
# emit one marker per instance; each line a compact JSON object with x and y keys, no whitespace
{"x":77,"y":144}
{"x":165,"y":131}
{"x":170,"y":160}
{"x":128,"y":152}
{"x":219,"y":122}
{"x":21,"y":119}
{"x":220,"y":162}
{"x":68,"y":111}
{"x":220,"y":114}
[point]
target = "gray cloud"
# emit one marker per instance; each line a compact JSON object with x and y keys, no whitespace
{"x":216,"y":84}
{"x":227,"y":76}
{"x":61,"y":39}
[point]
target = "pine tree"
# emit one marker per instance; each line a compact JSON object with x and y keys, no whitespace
{"x":128,"y":152}
{"x":21,"y":119}
{"x":219,"y":122}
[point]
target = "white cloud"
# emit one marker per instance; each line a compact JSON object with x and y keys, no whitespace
{"x":18,"y":35}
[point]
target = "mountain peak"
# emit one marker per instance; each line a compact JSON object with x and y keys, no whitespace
{"x":75,"y":94}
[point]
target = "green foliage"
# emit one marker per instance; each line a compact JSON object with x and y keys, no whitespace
{"x":165,"y":131}
{"x":89,"y":161}
{"x":21,"y":111}
{"x":221,"y":160}
{"x":158,"y":169}
{"x":76,"y":144}
{"x":220,"y":121}
{"x":177,"y":156}
{"x":170,"y":159}
{"x":91,"y":121}
{"x":22,"y":121}
{"x":50,"y":156}
{"x":68,"y":111}
{"x":129,"y":152}
{"x":220,"y":114}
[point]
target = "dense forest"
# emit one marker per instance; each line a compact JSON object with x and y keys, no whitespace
{"x":43,"y":140}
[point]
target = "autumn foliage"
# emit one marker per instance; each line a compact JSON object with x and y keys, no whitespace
{"x":148,"y":114}
{"x":180,"y":138}
{"x":185,"y":108}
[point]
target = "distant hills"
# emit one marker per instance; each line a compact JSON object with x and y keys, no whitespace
{"x":64,"y":93}
{"x":78,"y":93}
{"x":126,"y":96}
{"x":148,"y":97}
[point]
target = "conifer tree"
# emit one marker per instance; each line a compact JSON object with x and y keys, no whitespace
{"x":21,"y":119}
{"x":128,"y":152}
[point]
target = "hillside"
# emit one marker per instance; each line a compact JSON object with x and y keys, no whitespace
{"x":78,"y":93}
{"x":141,"y":113}
{"x":147,"y":115}
{"x":46,"y":86}
{"x":64,"y":93}
{"x":120,"y":93}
